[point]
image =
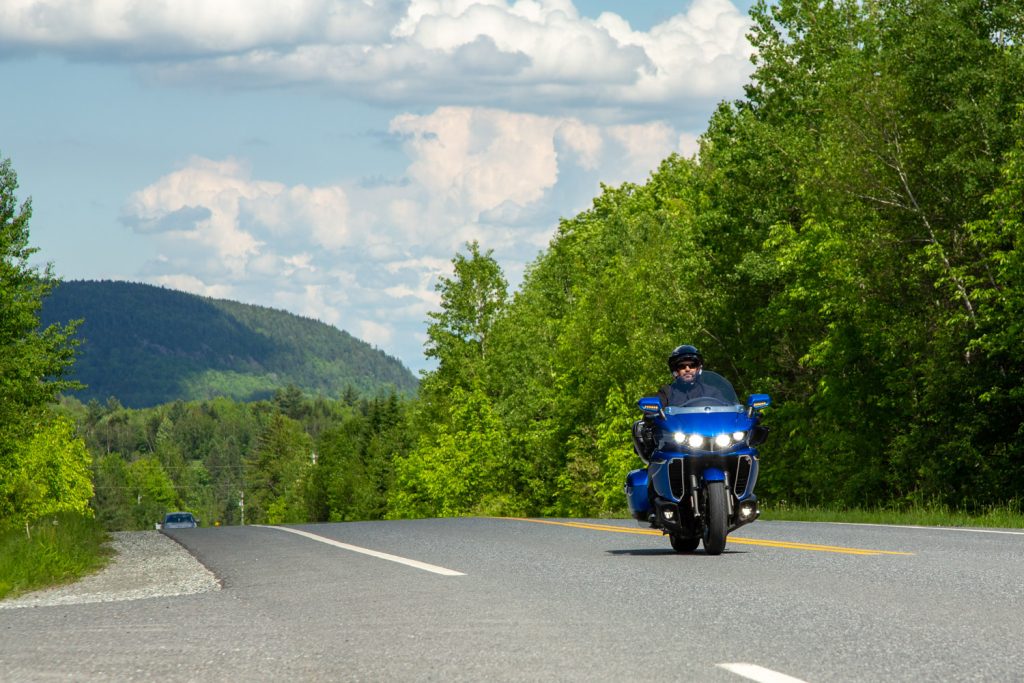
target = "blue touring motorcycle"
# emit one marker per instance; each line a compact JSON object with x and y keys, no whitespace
{"x":699,"y":481}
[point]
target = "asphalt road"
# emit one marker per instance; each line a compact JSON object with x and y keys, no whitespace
{"x":564,"y":600}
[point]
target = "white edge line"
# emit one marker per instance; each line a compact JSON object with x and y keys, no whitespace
{"x":759,"y":673}
{"x":926,"y":528}
{"x":366,"y":551}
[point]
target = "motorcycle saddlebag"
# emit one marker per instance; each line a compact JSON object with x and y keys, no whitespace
{"x":636,"y":494}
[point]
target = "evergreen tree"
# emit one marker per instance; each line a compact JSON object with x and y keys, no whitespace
{"x":32,"y":361}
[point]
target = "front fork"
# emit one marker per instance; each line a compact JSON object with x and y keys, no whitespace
{"x":695,"y":500}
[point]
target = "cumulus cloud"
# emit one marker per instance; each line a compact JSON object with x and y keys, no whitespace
{"x":318,"y":214}
{"x":191,"y":28}
{"x":480,"y":158}
{"x":538,"y":55}
{"x":216,"y":208}
{"x":367,"y":257}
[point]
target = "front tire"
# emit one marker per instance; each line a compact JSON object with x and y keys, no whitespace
{"x":683,"y":545}
{"x":716,"y":520}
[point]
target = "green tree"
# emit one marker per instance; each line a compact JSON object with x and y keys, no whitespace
{"x":32,"y":361}
{"x":113,"y":499}
{"x":459,"y":338}
{"x":276,"y":473}
{"x":471,"y":300}
{"x":151,"y":492}
{"x":50,"y":474}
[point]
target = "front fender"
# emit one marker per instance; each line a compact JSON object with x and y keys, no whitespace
{"x":713,"y":474}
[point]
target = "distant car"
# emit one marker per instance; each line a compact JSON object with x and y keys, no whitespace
{"x":179,"y":520}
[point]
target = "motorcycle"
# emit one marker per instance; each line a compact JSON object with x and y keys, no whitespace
{"x":698,"y":484}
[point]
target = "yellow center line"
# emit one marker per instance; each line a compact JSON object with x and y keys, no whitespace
{"x":732,"y":539}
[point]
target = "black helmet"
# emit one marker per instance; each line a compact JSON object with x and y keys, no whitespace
{"x":684,"y":353}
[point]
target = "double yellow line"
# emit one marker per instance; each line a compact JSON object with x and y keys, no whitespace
{"x":732,"y":539}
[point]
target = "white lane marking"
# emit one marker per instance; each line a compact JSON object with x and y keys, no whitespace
{"x":927,"y":528}
{"x":759,"y":673}
{"x":366,"y":551}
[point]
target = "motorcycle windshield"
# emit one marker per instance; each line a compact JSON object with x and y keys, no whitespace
{"x":716,"y":392}
{"x":717,"y":411}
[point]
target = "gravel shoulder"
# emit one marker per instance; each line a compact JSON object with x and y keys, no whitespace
{"x":146,"y":564}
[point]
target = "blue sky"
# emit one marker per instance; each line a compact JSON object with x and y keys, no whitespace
{"x":329,"y":157}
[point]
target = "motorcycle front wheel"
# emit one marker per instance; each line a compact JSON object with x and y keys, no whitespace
{"x":716,"y":522}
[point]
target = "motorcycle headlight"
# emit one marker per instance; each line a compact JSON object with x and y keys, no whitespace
{"x":679,"y":437}
{"x":739,"y":436}
{"x":695,"y":440}
{"x":723,"y":440}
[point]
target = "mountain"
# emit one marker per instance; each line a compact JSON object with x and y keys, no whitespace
{"x":148,"y":345}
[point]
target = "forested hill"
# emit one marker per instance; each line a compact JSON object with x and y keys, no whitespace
{"x":148,"y":345}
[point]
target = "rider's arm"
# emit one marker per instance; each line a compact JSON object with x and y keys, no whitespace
{"x":663,"y":394}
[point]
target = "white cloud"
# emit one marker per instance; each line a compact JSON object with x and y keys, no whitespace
{"x":320,"y":213}
{"x":367,"y":258}
{"x":539,"y":55}
{"x":215,"y":210}
{"x":376,"y":333}
{"x":480,"y":158}
{"x":211,"y":192}
{"x":582,"y":141}
{"x":189,"y":283}
{"x":130,"y":28}
{"x":642,"y":146}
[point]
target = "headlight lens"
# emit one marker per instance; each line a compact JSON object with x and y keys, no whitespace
{"x":719,"y":440}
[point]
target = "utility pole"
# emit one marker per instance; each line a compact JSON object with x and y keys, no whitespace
{"x":241,"y":504}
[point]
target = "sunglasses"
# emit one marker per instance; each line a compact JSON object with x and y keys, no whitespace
{"x":687,"y":366}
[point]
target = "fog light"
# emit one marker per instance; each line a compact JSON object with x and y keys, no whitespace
{"x":668,"y":514}
{"x":747,"y":511}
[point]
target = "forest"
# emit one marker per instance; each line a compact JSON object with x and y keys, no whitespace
{"x":149,"y":345}
{"x":848,"y":240}
{"x":288,"y":459}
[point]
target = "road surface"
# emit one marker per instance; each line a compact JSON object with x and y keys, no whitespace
{"x":477,"y":599}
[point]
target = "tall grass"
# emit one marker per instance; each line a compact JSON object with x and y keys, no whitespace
{"x":1008,"y":516}
{"x":55,"y":549}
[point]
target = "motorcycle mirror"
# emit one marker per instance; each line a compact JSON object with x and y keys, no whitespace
{"x":759,"y":401}
{"x":650,"y":405}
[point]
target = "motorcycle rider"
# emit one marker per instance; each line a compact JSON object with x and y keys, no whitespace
{"x":687,"y":365}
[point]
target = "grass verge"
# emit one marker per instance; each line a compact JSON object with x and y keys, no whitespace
{"x":1001,"y":517}
{"x":57,"y":549}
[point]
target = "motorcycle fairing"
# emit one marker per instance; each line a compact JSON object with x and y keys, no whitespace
{"x":636,"y":494}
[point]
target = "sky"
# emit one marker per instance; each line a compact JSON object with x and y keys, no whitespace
{"x":330,"y":157}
